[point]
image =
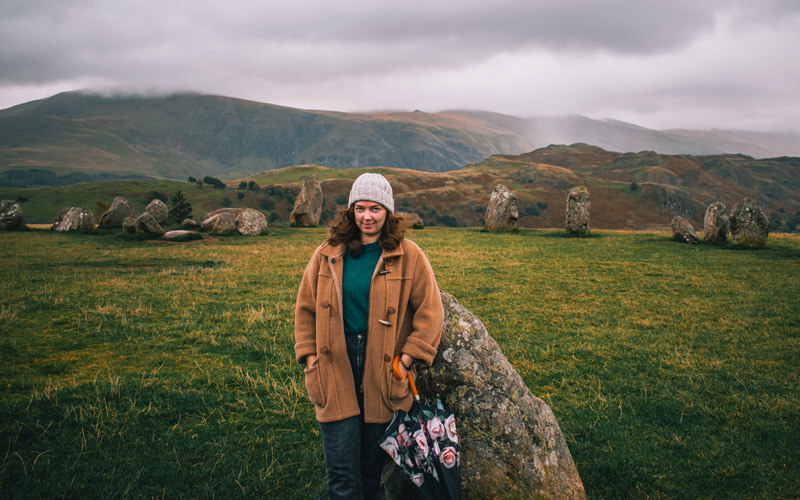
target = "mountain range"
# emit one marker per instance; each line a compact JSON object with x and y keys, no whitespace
{"x":73,"y":137}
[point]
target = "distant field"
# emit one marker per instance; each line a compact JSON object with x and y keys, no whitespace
{"x":154,"y":369}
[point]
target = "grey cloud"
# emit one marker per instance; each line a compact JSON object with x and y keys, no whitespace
{"x":385,"y":53}
{"x":60,"y":39}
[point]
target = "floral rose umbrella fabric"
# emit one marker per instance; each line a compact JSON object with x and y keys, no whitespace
{"x":424,"y":443}
{"x":445,"y":450}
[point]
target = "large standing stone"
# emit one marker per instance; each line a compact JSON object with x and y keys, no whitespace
{"x":511,"y":444}
{"x":148,"y":224}
{"x":749,"y":224}
{"x":578,"y":208}
{"x":716,"y":223}
{"x":251,"y":222}
{"x":682,"y":230}
{"x":11,"y":216}
{"x":308,"y":205}
{"x":158,"y":209}
{"x":502,"y":212}
{"x":117,"y":212}
{"x":74,"y":219}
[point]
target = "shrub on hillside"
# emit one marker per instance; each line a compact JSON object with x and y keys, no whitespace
{"x":213,"y":181}
{"x":180,"y":208}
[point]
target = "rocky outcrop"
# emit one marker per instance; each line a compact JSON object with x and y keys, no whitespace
{"x":11,"y":217}
{"x":220,"y":222}
{"x":749,"y":224}
{"x":716,"y":224}
{"x":682,"y":230}
{"x":119,"y":210}
{"x":413,"y":220}
{"x":502,"y":212}
{"x":308,"y":205}
{"x":158,"y":209}
{"x":251,"y":222}
{"x":578,"y":211}
{"x":147,"y":224}
{"x":511,"y":444}
{"x":74,"y":219}
{"x":247,"y":221}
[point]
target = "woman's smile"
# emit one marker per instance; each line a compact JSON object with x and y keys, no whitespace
{"x":370,"y":217}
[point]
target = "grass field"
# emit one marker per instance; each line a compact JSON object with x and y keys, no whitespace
{"x":153,"y":369}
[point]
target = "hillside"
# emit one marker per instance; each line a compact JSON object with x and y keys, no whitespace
{"x":75,"y":137}
{"x":644,"y":189}
{"x":628,"y":191}
{"x":181,"y":135}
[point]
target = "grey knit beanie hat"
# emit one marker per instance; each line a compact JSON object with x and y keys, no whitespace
{"x":372,"y":187}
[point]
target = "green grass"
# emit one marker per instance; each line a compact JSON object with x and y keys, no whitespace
{"x":153,"y":369}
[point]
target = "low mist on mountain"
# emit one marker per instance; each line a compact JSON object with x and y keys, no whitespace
{"x":74,"y":137}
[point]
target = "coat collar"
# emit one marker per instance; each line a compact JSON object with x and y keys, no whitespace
{"x":329,"y":250}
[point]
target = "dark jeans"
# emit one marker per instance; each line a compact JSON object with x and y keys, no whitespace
{"x":353,"y":457}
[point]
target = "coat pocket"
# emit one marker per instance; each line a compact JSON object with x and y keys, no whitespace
{"x":314,"y":385}
{"x":398,"y":392}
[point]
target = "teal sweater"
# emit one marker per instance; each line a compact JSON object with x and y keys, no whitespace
{"x":356,"y":281}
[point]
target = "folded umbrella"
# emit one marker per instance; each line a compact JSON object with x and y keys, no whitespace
{"x":424,"y":443}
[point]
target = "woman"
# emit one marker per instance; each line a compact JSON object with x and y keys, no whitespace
{"x":367,"y":295}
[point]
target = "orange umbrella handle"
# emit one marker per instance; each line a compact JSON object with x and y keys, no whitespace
{"x":411,"y":384}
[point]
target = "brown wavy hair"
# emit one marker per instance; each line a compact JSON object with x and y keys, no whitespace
{"x":344,"y":231}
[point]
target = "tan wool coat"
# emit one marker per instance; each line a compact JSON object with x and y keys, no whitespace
{"x":405,"y":316}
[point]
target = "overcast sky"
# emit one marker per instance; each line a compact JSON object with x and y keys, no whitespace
{"x":659,"y":64}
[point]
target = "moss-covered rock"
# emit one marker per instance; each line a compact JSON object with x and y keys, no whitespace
{"x":511,"y":444}
{"x":749,"y":224}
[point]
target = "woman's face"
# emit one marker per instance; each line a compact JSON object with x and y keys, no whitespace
{"x":370,"y":217}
